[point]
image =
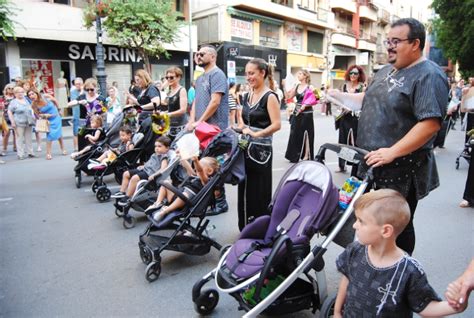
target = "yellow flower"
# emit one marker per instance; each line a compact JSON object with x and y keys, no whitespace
{"x":160,"y":123}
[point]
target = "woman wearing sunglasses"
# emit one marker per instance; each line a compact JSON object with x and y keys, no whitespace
{"x":347,"y":121}
{"x":91,"y":102}
{"x":149,"y":95}
{"x":176,"y":100}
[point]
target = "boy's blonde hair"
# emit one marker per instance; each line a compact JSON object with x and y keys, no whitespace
{"x":211,"y":162}
{"x":387,"y":206}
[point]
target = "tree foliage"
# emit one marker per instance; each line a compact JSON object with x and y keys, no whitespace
{"x":6,"y":23}
{"x":142,"y":25}
{"x":454,"y":29}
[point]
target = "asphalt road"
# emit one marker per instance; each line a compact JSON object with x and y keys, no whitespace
{"x":63,"y":254}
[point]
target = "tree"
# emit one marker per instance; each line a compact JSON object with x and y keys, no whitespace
{"x":454,"y":30}
{"x":6,"y":23}
{"x":141,"y":25}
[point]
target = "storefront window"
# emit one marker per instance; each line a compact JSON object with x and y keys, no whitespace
{"x":315,"y":42}
{"x":241,"y":31}
{"x":269,"y":34}
{"x":294,"y":35}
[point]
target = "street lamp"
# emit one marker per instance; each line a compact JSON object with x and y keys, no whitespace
{"x":100,"y":56}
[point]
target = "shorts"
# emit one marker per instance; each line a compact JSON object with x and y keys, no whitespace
{"x":140,"y":173}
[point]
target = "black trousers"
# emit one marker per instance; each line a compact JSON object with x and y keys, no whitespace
{"x":347,"y":126}
{"x":469,"y":188}
{"x":406,"y":239}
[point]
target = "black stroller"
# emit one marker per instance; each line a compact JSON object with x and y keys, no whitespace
{"x":144,"y":141}
{"x":184,"y":236}
{"x":466,"y":153}
{"x":111,"y":139}
{"x":272,"y":269}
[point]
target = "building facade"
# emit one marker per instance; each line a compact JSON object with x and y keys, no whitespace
{"x":51,"y":40}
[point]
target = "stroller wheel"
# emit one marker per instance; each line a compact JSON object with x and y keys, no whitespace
{"x":96,"y":184}
{"x":78,"y":180}
{"x":103,"y":194}
{"x":153,"y":271}
{"x":129,"y":222}
{"x":206,"y":302}
{"x":119,"y":212}
{"x":145,"y":255}
{"x":327,"y":309}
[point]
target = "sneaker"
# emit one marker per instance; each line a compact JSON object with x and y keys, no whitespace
{"x":221,"y":206}
{"x":32,"y":155}
{"x":124,"y":201}
{"x":155,"y":206}
{"x":21,"y":157}
{"x":118,"y":195}
{"x":159,"y":215}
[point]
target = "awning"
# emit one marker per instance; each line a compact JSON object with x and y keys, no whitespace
{"x":253,"y":16}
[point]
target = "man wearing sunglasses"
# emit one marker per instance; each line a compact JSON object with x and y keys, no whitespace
{"x":211,"y":104}
{"x":401,"y":113}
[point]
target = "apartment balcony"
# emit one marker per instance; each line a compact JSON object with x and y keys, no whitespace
{"x":383,"y":16}
{"x":344,"y":5}
{"x":367,"y":45}
{"x":339,"y":38}
{"x":368,"y":13}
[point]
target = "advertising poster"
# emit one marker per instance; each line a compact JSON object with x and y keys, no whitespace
{"x":43,"y":76}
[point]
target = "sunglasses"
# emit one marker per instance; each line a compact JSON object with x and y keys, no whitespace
{"x":170,"y":78}
{"x":201,"y":54}
{"x":354,"y":73}
{"x":89,"y":89}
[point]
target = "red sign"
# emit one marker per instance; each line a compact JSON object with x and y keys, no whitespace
{"x":42,"y":71}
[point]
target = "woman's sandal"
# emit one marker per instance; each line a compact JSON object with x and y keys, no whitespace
{"x":465,"y":204}
{"x":49,"y":157}
{"x":64,"y":152}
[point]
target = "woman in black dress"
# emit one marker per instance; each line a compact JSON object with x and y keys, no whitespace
{"x":301,"y":140}
{"x":347,"y":122}
{"x":176,"y":101}
{"x":261,"y":116}
{"x":149,"y":95}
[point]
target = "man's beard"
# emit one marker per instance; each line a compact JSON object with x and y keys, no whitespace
{"x":203,"y":64}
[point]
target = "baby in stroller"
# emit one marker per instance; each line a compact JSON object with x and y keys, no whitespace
{"x":206,"y":167}
{"x":92,"y":138}
{"x":157,"y":163}
{"x":110,"y":155}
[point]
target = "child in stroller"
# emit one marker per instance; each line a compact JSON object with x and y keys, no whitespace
{"x":93,"y":137}
{"x":110,"y":155}
{"x":398,"y":285}
{"x":205,"y":168}
{"x":157,"y":162}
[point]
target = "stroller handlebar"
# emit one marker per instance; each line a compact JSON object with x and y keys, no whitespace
{"x":349,"y":153}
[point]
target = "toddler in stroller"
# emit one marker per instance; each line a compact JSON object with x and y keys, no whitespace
{"x":92,"y":138}
{"x":205,"y":168}
{"x":157,"y":162}
{"x":110,"y":155}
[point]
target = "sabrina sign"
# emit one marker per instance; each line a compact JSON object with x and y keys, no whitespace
{"x":112,"y":54}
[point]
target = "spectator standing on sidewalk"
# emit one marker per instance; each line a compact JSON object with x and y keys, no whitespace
{"x":76,"y":111}
{"x":402,"y":110}
{"x":8,"y":96}
{"x":211,"y":103}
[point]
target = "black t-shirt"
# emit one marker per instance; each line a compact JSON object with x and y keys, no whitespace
{"x":390,"y":292}
{"x":148,"y":94}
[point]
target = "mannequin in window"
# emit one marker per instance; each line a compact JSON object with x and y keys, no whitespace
{"x":62,"y":92}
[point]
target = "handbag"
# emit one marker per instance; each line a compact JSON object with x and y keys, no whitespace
{"x":42,"y":125}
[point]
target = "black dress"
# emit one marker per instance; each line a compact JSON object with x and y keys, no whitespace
{"x":177,"y":123}
{"x":255,"y":192}
{"x":301,"y":132}
{"x":347,"y":125}
{"x":145,"y":98}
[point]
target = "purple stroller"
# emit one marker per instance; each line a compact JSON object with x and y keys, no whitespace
{"x":262,"y":269}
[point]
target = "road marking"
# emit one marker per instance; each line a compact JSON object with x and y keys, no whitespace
{"x":5,"y":199}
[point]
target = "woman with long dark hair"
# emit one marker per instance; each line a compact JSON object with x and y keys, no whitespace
{"x":261,"y":115}
{"x":301,"y":140}
{"x":347,"y":121}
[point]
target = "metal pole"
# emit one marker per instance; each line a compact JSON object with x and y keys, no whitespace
{"x":99,"y":53}
{"x":191,"y":57}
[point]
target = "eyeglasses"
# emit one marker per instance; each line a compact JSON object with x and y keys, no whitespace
{"x":170,"y":78}
{"x":394,"y":42}
{"x":89,"y":89}
{"x":201,"y":54}
{"x":353,"y":73}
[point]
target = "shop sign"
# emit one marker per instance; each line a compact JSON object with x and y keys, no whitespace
{"x":233,"y":51}
{"x":231,"y":69}
{"x":272,"y":59}
{"x":241,"y":29}
{"x":42,"y":72}
{"x":294,"y":36}
{"x":111,"y":53}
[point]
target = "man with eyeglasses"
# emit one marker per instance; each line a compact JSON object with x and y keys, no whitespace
{"x":211,"y":104}
{"x":401,"y":112}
